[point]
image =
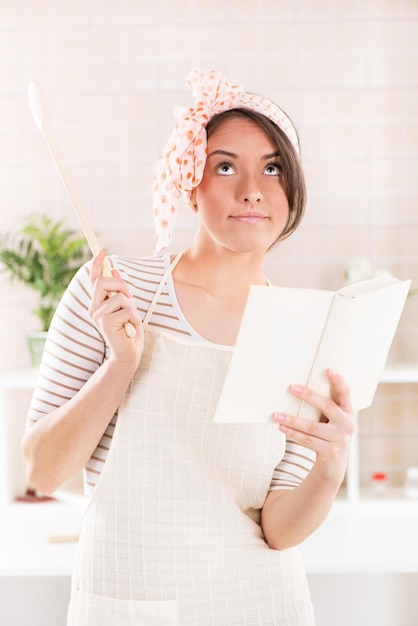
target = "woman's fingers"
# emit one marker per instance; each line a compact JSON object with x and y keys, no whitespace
{"x":302,"y":430}
{"x":330,"y":437}
{"x":111,"y":305}
{"x":96,"y":266}
{"x":104,"y":286}
{"x":332,"y":433}
{"x":336,"y":406}
{"x":340,"y":391}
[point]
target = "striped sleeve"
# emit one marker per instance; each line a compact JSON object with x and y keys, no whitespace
{"x":295,"y":465}
{"x":73,"y":351}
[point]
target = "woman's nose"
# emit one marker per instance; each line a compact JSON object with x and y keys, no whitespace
{"x":253,"y":198}
{"x":250,"y":191}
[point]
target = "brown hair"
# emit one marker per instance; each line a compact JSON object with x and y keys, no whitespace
{"x":293,"y":176}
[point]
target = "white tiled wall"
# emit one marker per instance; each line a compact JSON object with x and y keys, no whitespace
{"x":345,"y":71}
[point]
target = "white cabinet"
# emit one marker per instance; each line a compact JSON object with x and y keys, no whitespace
{"x":16,"y":389}
{"x":392,"y":374}
{"x":38,"y":540}
{"x":36,"y":557}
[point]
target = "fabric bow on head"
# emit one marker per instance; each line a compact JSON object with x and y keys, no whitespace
{"x":180,"y":168}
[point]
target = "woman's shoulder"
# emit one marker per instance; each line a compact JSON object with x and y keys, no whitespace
{"x":140,"y":266}
{"x":143,"y":275}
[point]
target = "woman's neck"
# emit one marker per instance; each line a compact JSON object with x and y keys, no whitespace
{"x":212,"y":290}
{"x":220,"y":271}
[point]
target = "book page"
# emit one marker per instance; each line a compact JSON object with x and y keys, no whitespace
{"x":292,"y":336}
{"x":331,"y":351}
{"x":366,"y":286}
{"x":276,"y":345}
{"x":374,"y":319}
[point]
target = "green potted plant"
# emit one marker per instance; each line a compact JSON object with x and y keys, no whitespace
{"x":44,"y":255}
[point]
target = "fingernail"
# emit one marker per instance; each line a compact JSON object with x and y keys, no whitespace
{"x":296,"y":389}
{"x":279,"y":417}
{"x":333,"y":373}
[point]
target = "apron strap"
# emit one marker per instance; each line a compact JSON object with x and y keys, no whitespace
{"x":159,"y":289}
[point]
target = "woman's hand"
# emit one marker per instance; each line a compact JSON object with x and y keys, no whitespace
{"x":288,"y":517}
{"x":330,"y":437}
{"x":111,"y":308}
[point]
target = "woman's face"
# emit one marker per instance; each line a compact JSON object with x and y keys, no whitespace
{"x":241,"y":200}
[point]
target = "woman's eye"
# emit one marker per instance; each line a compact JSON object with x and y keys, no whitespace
{"x":225,"y":169}
{"x":273,"y":169}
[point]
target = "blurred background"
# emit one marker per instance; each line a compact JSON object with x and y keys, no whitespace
{"x":346,"y":72}
{"x":111,"y":70}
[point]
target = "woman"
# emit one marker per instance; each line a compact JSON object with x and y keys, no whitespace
{"x":189,"y":522}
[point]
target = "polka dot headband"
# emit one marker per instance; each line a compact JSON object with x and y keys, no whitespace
{"x":180,"y":168}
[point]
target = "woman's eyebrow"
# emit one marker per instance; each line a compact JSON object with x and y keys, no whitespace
{"x":232,"y":155}
{"x":273,"y":155}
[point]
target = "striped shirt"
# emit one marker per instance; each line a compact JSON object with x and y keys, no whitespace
{"x":75,"y":349}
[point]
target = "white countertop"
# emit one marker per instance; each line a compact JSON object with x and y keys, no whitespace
{"x":28,"y":534}
{"x":367,"y":537}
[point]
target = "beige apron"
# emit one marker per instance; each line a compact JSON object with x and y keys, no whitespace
{"x":171,"y":534}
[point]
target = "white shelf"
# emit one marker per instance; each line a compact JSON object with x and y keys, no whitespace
{"x":400,"y":373}
{"x":393,"y":373}
{"x":18,"y":379}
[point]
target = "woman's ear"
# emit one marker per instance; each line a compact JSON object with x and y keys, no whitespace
{"x":193,"y":199}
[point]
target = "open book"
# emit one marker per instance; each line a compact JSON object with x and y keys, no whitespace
{"x":292,"y":336}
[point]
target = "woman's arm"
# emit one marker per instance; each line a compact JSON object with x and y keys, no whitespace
{"x":60,"y":443}
{"x":288,"y":517}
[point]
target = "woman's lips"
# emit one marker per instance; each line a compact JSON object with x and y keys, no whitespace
{"x":249,"y":217}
